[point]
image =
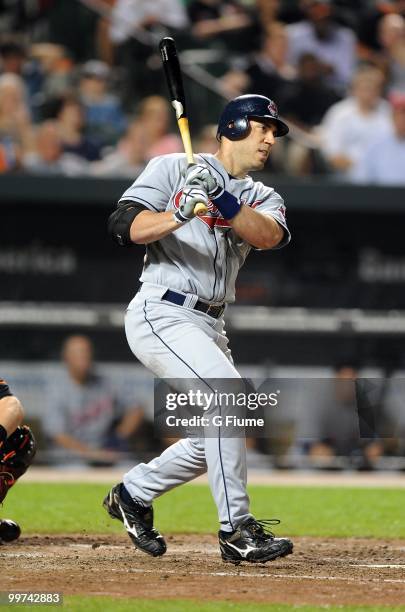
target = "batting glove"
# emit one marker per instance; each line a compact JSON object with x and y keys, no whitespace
{"x":192,"y":195}
{"x":198,"y":174}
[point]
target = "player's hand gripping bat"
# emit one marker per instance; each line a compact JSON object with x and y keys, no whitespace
{"x":174,"y":80}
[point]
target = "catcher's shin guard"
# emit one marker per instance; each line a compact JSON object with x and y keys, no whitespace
{"x":16,"y":456}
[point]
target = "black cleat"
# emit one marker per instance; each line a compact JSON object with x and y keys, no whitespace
{"x":138,"y":521}
{"x":250,"y":542}
{"x":9,"y":531}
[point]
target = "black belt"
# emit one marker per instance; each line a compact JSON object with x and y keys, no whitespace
{"x":179,"y":299}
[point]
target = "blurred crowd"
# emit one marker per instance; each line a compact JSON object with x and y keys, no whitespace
{"x":82,"y":90}
{"x":343,"y":417}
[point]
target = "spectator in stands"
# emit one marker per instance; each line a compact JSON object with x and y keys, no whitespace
{"x":234,"y":83}
{"x":147,"y":136}
{"x":350,"y":126}
{"x":131,"y":17}
{"x":268,"y":12}
{"x":70,"y":118}
{"x":206,"y":140}
{"x":269,"y":71}
{"x":12,"y":57}
{"x":136,"y":27}
{"x":332,"y":44}
{"x":105,"y":121}
{"x":72,"y":24}
{"x":265,"y":72}
{"x":25,"y":16}
{"x":391,"y":33}
{"x":154,"y":115}
{"x":16,"y":135}
{"x":48,"y":156}
{"x":370,"y":16}
{"x":127,"y":158}
{"x":305,"y":103}
{"x":308,"y":97}
{"x":13,"y":60}
{"x":383,"y":162}
{"x":336,"y":421}
{"x":86,"y":417}
{"x":394,"y":407}
{"x":57,"y":69}
{"x":226,"y":23}
{"x":287,"y":11}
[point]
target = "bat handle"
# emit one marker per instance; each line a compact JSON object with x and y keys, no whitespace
{"x":200,"y":208}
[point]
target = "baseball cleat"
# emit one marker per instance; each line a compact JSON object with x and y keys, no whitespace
{"x":251,"y":542}
{"x":9,"y":531}
{"x":138,"y":521}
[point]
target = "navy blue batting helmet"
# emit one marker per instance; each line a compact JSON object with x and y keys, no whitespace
{"x":234,"y":121}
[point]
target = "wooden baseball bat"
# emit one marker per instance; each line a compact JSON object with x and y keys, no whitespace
{"x":174,"y":80}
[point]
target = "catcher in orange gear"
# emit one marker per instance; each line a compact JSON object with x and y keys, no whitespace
{"x":17,"y":450}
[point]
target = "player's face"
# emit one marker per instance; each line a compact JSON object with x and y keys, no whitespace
{"x":78,"y":356}
{"x":256,"y":147}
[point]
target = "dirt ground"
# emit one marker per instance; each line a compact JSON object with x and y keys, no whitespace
{"x":321,"y":571}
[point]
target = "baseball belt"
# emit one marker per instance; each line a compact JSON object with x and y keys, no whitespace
{"x":212,"y":310}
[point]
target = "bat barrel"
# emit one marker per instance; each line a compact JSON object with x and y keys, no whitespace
{"x":171,"y":66}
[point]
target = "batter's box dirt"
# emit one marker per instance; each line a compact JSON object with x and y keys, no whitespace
{"x":321,"y":571}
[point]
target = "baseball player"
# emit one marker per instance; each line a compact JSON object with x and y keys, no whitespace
{"x":175,"y":323}
{"x":17,"y":450}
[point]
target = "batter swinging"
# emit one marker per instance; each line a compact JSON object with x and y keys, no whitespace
{"x":174,"y":324}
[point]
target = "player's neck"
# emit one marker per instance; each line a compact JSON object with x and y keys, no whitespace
{"x":231,"y":165}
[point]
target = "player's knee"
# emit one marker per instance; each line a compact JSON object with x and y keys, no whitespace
{"x":198,"y":445}
{"x":14,"y":411}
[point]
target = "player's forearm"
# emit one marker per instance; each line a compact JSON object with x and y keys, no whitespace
{"x":149,"y":226}
{"x":259,"y":230}
{"x":71,"y":443}
{"x":85,"y":451}
{"x":228,"y":23}
{"x":130,"y":423}
{"x":340,"y":162}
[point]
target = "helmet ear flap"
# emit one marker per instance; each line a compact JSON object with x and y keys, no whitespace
{"x":237,"y":129}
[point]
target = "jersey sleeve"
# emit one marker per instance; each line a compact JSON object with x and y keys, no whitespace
{"x":4,"y":389}
{"x":269,"y":202}
{"x":153,"y":188}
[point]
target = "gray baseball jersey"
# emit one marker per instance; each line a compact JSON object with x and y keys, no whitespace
{"x":203,"y":257}
{"x":200,"y":259}
{"x":85,"y":411}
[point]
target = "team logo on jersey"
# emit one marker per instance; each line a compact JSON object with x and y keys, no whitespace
{"x":213,"y":218}
{"x":281,"y":210}
{"x":254,"y":204}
